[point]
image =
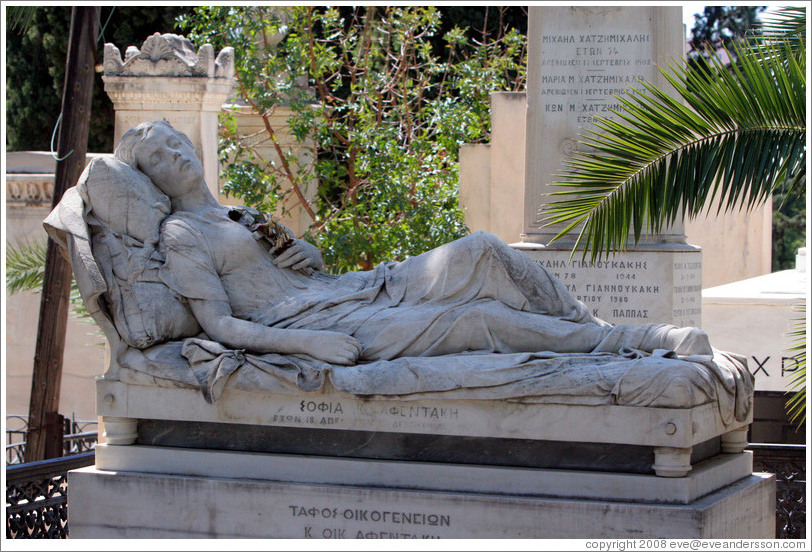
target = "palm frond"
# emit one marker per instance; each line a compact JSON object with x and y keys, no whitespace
{"x":788,"y":23}
{"x":20,"y":17}
{"x":25,"y":271}
{"x":796,"y":405}
{"x":730,"y":133}
{"x":25,"y":267}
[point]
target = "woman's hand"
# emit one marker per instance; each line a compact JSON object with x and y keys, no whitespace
{"x":333,"y":347}
{"x":299,"y":256}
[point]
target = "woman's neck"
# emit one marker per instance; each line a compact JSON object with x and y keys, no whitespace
{"x":194,"y":200}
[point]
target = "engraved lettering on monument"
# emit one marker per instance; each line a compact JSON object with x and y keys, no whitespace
{"x":347,"y":521}
{"x":579,"y":60}
{"x":633,"y":288}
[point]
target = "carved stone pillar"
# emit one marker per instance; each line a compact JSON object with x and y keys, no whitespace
{"x":167,"y":79}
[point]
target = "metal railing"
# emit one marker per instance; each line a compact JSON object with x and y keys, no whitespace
{"x":79,"y":437}
{"x":788,"y":463}
{"x":37,"y":498}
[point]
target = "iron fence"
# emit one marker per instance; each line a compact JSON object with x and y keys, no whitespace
{"x":37,"y":497}
{"x":79,"y":437}
{"x":788,"y":463}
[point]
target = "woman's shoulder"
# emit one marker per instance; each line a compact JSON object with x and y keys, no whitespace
{"x":183,"y":228}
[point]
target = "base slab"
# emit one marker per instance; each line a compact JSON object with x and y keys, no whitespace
{"x":706,"y":477}
{"x":106,"y":504}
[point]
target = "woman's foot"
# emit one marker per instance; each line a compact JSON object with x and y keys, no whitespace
{"x":683,"y":341}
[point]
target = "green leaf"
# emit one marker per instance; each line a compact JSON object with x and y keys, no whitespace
{"x":736,"y":133}
{"x":25,"y":271}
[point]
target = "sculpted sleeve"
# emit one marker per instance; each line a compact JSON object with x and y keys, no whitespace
{"x":189,"y":267}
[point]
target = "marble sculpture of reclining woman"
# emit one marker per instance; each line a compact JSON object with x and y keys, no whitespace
{"x":474,"y":295}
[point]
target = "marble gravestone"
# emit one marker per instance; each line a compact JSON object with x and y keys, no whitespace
{"x":294,"y":414}
{"x":366,"y":402}
{"x":579,"y":59}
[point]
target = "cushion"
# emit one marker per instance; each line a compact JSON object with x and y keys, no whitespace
{"x":123,"y":199}
{"x":125,"y":211}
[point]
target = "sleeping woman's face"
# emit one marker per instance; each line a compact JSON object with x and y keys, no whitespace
{"x":169,"y":160}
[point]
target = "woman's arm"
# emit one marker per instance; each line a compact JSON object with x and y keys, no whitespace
{"x":216,"y":319}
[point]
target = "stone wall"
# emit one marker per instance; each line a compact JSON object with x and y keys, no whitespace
{"x":29,"y":187}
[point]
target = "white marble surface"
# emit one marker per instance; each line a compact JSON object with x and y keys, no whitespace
{"x":578,"y":59}
{"x":132,"y":505}
{"x":653,"y":284}
{"x":706,"y":477}
{"x":668,"y":427}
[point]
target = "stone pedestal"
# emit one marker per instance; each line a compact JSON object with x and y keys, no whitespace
{"x":167,"y":79}
{"x":579,"y":58}
{"x":652,"y":283}
{"x":127,"y":504}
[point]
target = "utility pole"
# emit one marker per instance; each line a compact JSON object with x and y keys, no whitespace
{"x":53,"y":315}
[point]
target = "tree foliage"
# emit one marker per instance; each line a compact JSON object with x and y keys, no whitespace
{"x":36,"y":50}
{"x":379,"y":101}
{"x":718,"y":26}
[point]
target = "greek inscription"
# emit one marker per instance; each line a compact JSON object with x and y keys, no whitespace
{"x":630,"y":313}
{"x":594,"y":68}
{"x":390,"y":535}
{"x":761,"y":367}
{"x":286,"y":419}
{"x":623,"y":288}
{"x":328,"y":407}
{"x":687,"y":289}
{"x":558,"y":39}
{"x":786,"y":362}
{"x":680,"y":314}
{"x":614,"y":38}
{"x":425,"y":412}
{"x":606,"y":265}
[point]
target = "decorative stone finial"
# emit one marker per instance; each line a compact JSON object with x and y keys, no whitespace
{"x":169,"y":55}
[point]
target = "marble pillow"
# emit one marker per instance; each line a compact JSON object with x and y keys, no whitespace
{"x":123,"y":199}
{"x":125,"y":211}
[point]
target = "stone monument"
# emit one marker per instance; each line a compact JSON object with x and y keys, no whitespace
{"x":578,"y":59}
{"x":460,"y":393}
{"x":167,"y":79}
